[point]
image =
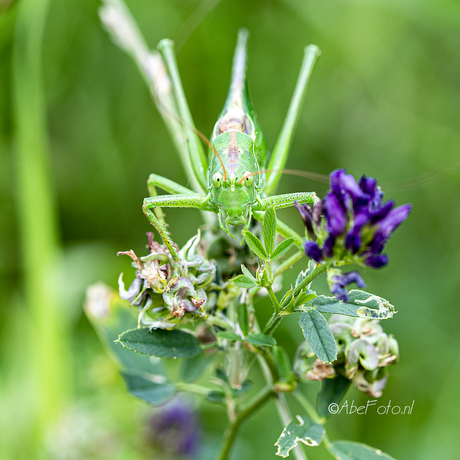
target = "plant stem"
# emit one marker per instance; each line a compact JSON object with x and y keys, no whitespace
{"x":308,"y":407}
{"x":288,"y":263}
{"x":274,"y":300}
{"x":277,"y":317}
{"x":242,"y":416}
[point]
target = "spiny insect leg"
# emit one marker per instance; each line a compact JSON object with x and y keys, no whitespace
{"x":197,"y":164}
{"x":281,"y":150}
{"x":174,"y":201}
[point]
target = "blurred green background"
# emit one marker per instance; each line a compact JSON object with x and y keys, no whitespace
{"x":79,"y":137}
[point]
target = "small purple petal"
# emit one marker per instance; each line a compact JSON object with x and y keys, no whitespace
{"x":328,"y":246}
{"x":353,"y":277}
{"x":313,"y":251}
{"x":335,"y":179}
{"x":353,"y":239}
{"x":340,"y":292}
{"x":344,"y":185}
{"x":377,"y":244}
{"x":340,"y":281}
{"x":376,"y":261}
{"x":367,"y":185}
{"x":380,"y":213}
{"x":318,"y":210}
{"x":394,"y":218}
{"x":305,"y":212}
{"x":335,"y":214}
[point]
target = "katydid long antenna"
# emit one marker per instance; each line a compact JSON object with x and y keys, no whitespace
{"x":290,"y":172}
{"x":162,"y":108}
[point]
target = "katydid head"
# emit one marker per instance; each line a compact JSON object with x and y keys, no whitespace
{"x":234,"y":196}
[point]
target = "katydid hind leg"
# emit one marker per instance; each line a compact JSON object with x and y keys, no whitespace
{"x":281,"y":150}
{"x":197,"y":164}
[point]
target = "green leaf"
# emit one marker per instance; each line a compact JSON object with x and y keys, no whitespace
{"x":244,"y":281}
{"x":247,"y":272}
{"x":147,"y":390}
{"x":361,"y":304}
{"x":303,"y":298}
{"x":308,"y":432}
{"x":283,"y":364}
{"x":332,"y":391}
{"x":221,"y":375}
{"x":216,"y":397}
{"x":193,"y":368}
{"x":347,"y":450}
{"x":282,"y":248}
{"x":269,"y":228}
{"x":161,"y":343}
{"x":255,"y":245}
{"x":261,"y":340}
{"x":247,"y":384}
{"x":318,"y":335}
{"x":227,"y":335}
{"x":243,"y":318}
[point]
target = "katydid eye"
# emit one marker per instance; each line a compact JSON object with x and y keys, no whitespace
{"x":247,"y":179}
{"x":217,"y":179}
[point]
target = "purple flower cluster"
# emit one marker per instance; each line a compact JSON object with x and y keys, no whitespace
{"x":340,"y":280}
{"x":356,"y":222}
{"x":175,"y":430}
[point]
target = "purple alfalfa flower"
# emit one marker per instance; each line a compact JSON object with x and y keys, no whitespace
{"x":376,"y":261}
{"x":306,"y":213}
{"x":357,"y":222}
{"x":313,"y":251}
{"x":340,"y":280}
{"x":344,"y":186}
{"x":175,"y":429}
{"x":335,"y":214}
{"x":311,"y":217}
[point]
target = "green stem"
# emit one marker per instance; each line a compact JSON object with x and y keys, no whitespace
{"x":245,"y":414}
{"x":308,"y":407}
{"x":277,"y":317}
{"x":192,"y":388}
{"x":274,"y":300}
{"x":288,"y":263}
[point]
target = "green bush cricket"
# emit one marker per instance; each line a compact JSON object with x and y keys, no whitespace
{"x":240,"y":175}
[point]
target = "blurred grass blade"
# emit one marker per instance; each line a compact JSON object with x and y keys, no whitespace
{"x":37,"y":214}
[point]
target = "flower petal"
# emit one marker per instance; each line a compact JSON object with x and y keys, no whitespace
{"x":376,"y":261}
{"x":335,"y":214}
{"x":313,"y":251}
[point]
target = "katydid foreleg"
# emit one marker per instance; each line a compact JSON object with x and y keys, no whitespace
{"x":172,"y":201}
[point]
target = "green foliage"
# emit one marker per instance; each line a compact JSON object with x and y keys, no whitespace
{"x":361,"y":304}
{"x":281,"y":249}
{"x":161,"y":343}
{"x":317,"y":333}
{"x":261,"y":340}
{"x":228,"y":335}
{"x":246,"y":280}
{"x":332,"y":391}
{"x":283,"y":364}
{"x":144,"y":388}
{"x":193,"y":368}
{"x":269,"y":229}
{"x":306,"y":431}
{"x":243,"y":319}
{"x":346,"y":450}
{"x":255,"y":245}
